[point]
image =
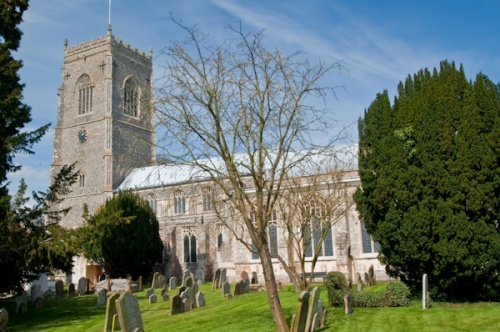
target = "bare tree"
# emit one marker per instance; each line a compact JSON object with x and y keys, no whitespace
{"x":236,"y":112}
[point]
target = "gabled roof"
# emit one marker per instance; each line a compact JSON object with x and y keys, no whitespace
{"x":342,"y":157}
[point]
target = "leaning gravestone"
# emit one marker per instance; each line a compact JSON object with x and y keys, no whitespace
{"x":215,"y":283}
{"x":22,"y":303}
{"x":59,"y":289}
{"x":101,"y":297}
{"x":300,"y":317}
{"x":82,"y":286}
{"x":226,"y":289}
{"x":222,"y":279}
{"x":4,"y":320}
{"x":154,"y":283}
{"x":312,"y":311}
{"x":172,"y":283}
{"x":111,"y":315}
{"x":175,"y":305}
{"x":129,"y":313}
{"x":162,"y":281}
{"x":200,"y":300}
{"x":71,"y":291}
{"x":163,"y":291}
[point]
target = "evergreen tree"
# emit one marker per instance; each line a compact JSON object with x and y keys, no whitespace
{"x":123,"y":236}
{"x":430,"y":172}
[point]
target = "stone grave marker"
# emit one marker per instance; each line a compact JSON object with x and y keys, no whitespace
{"x":154,"y":283}
{"x":185,"y":275}
{"x":39,"y":302}
{"x":59,"y":285}
{"x":191,"y":296}
{"x":163,"y":291}
{"x":82,"y":286}
{"x":71,"y":291}
{"x":165,"y":298}
{"x":129,"y":313}
{"x":172,"y":284}
{"x":226,"y":289}
{"x":237,"y":288}
{"x":312,"y":310}
{"x":246,"y":286}
{"x":300,"y":317}
{"x":101,"y":297}
{"x":149,"y":292}
{"x":182,"y":289}
{"x":222,"y":279}
{"x":200,"y":300}
{"x":153,"y":299}
{"x":111,"y":315}
{"x":175,"y":305}
{"x":36,"y":292}
{"x":254,"y":280}
{"x":186,"y":305}
{"x":22,"y":303}
{"x":162,"y":281}
{"x":189,"y":282}
{"x":348,"y":304}
{"x":4,"y":320}
{"x":425,"y":291}
{"x":215,"y":283}
{"x":195,"y":288}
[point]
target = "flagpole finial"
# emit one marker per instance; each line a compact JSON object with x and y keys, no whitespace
{"x":109,"y":16}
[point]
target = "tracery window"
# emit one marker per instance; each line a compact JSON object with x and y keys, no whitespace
{"x":130,"y":98}
{"x":207,"y":199}
{"x":271,"y":233}
{"x":315,"y":228}
{"x":369,"y":246}
{"x":189,"y":247}
{"x":179,"y":202}
{"x":85,"y":89}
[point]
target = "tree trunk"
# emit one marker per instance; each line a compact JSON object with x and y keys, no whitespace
{"x":272,"y":290}
{"x":291,"y":273}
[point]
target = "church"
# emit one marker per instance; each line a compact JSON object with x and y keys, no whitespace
{"x":106,"y":125}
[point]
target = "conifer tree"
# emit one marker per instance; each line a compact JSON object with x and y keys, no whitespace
{"x":430,"y":172}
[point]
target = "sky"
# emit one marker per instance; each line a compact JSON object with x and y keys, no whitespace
{"x":378,"y":44}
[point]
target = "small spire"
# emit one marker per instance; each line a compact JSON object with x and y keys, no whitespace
{"x":109,"y":17}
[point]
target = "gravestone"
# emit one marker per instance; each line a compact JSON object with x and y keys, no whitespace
{"x":153,"y":299}
{"x":22,"y":303}
{"x":244,"y":275}
{"x":371,"y":276}
{"x":59,"y":285}
{"x":348,"y":304}
{"x":154,"y":283}
{"x":237,"y":288}
{"x":82,"y":286}
{"x":163,"y":291}
{"x":186,"y":305}
{"x":149,"y":292}
{"x":215,"y":284}
{"x":182,"y":289}
{"x":189,"y":282}
{"x":222,"y":279}
{"x":172,"y":284}
{"x":111,"y":315}
{"x":312,"y":310}
{"x":367,"y":279}
{"x":36,"y":292}
{"x":165,"y":298}
{"x":39,"y":302}
{"x":47,"y":295}
{"x":101,"y":297}
{"x":162,"y":281}
{"x":200,"y":300}
{"x":226,"y":289}
{"x":71,"y":291}
{"x":425,"y":291}
{"x":185,"y":274}
{"x":4,"y":320}
{"x":175,"y":305}
{"x":300,"y":317}
{"x":195,"y":288}
{"x":246,"y":286}
{"x":254,"y":280}
{"x":129,"y":313}
{"x":191,"y":296}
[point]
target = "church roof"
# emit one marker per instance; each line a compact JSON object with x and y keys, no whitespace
{"x":342,"y":157}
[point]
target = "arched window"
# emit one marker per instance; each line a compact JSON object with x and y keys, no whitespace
{"x":179,"y":203}
{"x":317,"y":227}
{"x":271,"y":234}
{"x":152,"y":202}
{"x":84,"y":87}
{"x":130,"y":98}
{"x":369,"y":246}
{"x":189,"y":249}
{"x":207,"y":199}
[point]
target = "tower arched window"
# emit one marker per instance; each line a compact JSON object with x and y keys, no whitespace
{"x":179,"y":203}
{"x":130,"y":98}
{"x":85,"y":88}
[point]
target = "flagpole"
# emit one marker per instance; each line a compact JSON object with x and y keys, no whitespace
{"x":109,"y":15}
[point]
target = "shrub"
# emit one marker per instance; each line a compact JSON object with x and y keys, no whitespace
{"x":396,"y":294}
{"x":337,"y":287}
{"x":368,"y":300}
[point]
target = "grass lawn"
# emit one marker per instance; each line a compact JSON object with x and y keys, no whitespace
{"x":250,"y":312}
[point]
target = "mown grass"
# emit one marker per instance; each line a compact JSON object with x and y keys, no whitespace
{"x":250,"y":312}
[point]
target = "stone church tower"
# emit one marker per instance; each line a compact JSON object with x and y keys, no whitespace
{"x":105,"y":119}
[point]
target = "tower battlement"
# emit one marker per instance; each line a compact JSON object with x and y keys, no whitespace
{"x":100,"y":41}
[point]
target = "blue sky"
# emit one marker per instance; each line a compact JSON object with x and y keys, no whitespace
{"x":379,"y":43}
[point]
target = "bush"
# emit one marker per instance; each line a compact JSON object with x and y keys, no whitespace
{"x":396,"y":294}
{"x":368,"y":300}
{"x":337,"y":287}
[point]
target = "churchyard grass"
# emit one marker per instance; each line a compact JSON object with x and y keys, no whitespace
{"x":250,"y":312}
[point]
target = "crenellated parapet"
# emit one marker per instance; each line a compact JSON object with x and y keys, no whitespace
{"x":101,"y":41}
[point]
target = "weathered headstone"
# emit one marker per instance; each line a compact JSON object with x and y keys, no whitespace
{"x":165,"y":298}
{"x":153,"y":299}
{"x":254,"y":280}
{"x":226,"y":289}
{"x":185,"y":274}
{"x":155,"y":283}
{"x":111,"y":315}
{"x":71,"y":291}
{"x":4,"y":320}
{"x":371,"y":276}
{"x":22,"y":303}
{"x":186,"y":305}
{"x":200,"y":300}
{"x":59,"y":285}
{"x":175,"y":305}
{"x":425,"y":291}
{"x":163,"y":291}
{"x":300,"y":317}
{"x":149,"y":292}
{"x":237,"y":288}
{"x":367,"y":279}
{"x":101,"y":297}
{"x":348,"y":304}
{"x":129,"y":313}
{"x":189,"y":282}
{"x":246,"y":286}
{"x":222,"y":279}
{"x":312,"y":310}
{"x":82,"y":286}
{"x":162,"y":281}
{"x":182,"y":289}
{"x":195,"y":288}
{"x":191,"y":296}
{"x":172,"y":284}
{"x":215,"y":283}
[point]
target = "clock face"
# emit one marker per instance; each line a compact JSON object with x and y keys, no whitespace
{"x":82,"y":135}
